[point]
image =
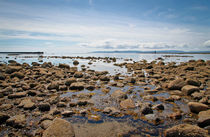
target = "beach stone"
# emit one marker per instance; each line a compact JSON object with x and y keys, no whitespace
{"x":18,"y":121}
{"x":69,"y":81}
{"x":77,"y":86}
{"x":67,"y":113}
{"x":63,"y":66}
{"x":193,"y":82}
{"x":146,"y":108}
{"x":46,"y":123}
{"x":204,"y":118}
{"x":78,"y":74}
{"x":2,"y":77}
{"x":61,"y":104}
{"x":6,"y":106}
{"x":75,"y":62}
{"x":17,"y":74}
{"x":197,"y":95}
{"x":27,"y":104}
{"x":128,"y":103}
{"x":3,"y":117}
{"x":119,"y":94}
{"x":59,"y":128}
{"x":104,"y":78}
{"x":176,"y":84}
{"x":130,"y":80}
{"x":11,"y":69}
{"x":189,"y":89}
{"x":197,"y":107}
{"x":44,"y":106}
{"x":112,"y":111}
{"x":53,"y":85}
{"x":17,"y":95}
{"x":185,"y":130}
{"x":158,"y":107}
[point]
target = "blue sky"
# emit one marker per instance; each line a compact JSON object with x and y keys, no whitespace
{"x":90,"y":25}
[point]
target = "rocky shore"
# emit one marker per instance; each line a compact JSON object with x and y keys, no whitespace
{"x":159,"y":99}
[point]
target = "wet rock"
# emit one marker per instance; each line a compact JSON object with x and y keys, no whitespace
{"x":82,"y":102}
{"x":146,"y":108}
{"x":61,"y":104}
{"x":46,"y":123}
{"x":130,"y":80}
{"x":151,"y":91}
{"x":119,"y":94}
{"x":197,"y":107}
{"x":175,"y":115}
{"x":189,"y":89}
{"x":59,"y":128}
{"x":90,"y":87}
{"x":67,"y":113}
{"x":17,"y":74}
{"x":44,"y":106}
{"x":53,"y":85}
{"x":27,"y":104}
{"x":78,"y":74}
{"x":18,"y":121}
{"x":77,"y":86}
{"x":104,"y":78}
{"x":176,"y":84}
{"x":186,"y":130}
{"x":69,"y":81}
{"x":193,"y":82}
{"x":204,"y":118}
{"x":154,"y":118}
{"x":75,"y":62}
{"x":17,"y":95}
{"x":6,"y":106}
{"x":150,"y":97}
{"x":128,"y":103}
{"x":111,"y":111}
{"x":158,"y":107}
{"x":63,"y":66}
{"x":3,"y":117}
{"x":11,"y":69}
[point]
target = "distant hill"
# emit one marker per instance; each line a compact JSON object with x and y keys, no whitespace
{"x":156,"y":52}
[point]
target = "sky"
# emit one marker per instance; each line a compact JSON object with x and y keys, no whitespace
{"x":79,"y":26}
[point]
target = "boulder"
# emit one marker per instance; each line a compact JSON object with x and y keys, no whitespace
{"x":44,"y":106}
{"x":189,"y":89}
{"x":193,"y":82}
{"x":197,"y":107}
{"x":59,"y":128}
{"x":176,"y":84}
{"x":63,"y":66}
{"x":46,"y":123}
{"x":119,"y":94}
{"x":17,"y":95}
{"x":18,"y":121}
{"x":186,"y":130}
{"x":204,"y":118}
{"x":77,"y":86}
{"x":128,"y":103}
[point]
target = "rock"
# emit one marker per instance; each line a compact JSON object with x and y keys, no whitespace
{"x":176,"y":84}
{"x":104,"y":78}
{"x":78,"y":74}
{"x":76,"y":62}
{"x":197,"y":95}
{"x":2,"y":77}
{"x":158,"y":107}
{"x":111,"y":111}
{"x":130,"y":80}
{"x":11,"y":69}
{"x":154,"y":118}
{"x":185,"y":130}
{"x":63,"y":66}
{"x":119,"y":94}
{"x":150,"y":97}
{"x":46,"y":117}
{"x":46,"y":123}
{"x":204,"y":118}
{"x":44,"y":106}
{"x":27,"y":104}
{"x":63,"y":88}
{"x":17,"y":74}
{"x":189,"y":89}
{"x":61,"y":104}
{"x":193,"y":82}
{"x":3,"y":117}
{"x":69,"y":81}
{"x":18,"y":121}
{"x":90,"y":87}
{"x":53,"y":85}
{"x":59,"y":128}
{"x":189,"y":68}
{"x":17,"y":95}
{"x":146,"y":109}
{"x":150,"y":91}
{"x":6,"y":106}
{"x":67,"y":113}
{"x":197,"y":107}
{"x":175,"y":115}
{"x":77,"y":86}
{"x":82,"y":102}
{"x":128,"y":103}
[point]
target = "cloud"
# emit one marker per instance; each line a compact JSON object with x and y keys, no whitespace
{"x":199,"y":8}
{"x":207,"y":44}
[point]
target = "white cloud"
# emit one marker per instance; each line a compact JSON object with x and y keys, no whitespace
{"x":207,"y":43}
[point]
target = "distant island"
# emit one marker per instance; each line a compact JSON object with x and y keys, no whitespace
{"x":156,"y":52}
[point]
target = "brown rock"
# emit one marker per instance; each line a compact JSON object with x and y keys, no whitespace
{"x":53,"y":85}
{"x":59,"y":128}
{"x":76,"y":62}
{"x":77,"y":86}
{"x":46,"y":123}
{"x":27,"y":104}
{"x":63,"y":66}
{"x":176,"y":84}
{"x":44,"y":106}
{"x":17,"y":74}
{"x":78,"y":74}
{"x":204,"y":118}
{"x":119,"y":94}
{"x":69,"y":81}
{"x":189,"y":89}
{"x":104,"y":78}
{"x":3,"y":117}
{"x":18,"y":121}
{"x":186,"y":130}
{"x":128,"y":103}
{"x":17,"y":95}
{"x":197,"y":107}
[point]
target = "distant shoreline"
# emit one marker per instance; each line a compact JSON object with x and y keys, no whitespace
{"x":21,"y":52}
